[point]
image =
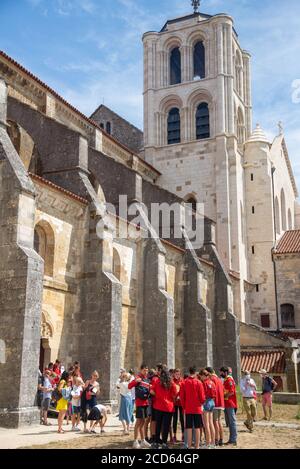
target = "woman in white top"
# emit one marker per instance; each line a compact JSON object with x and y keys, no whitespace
{"x":126,"y":402}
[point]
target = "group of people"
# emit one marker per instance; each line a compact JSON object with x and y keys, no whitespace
{"x":158,"y":399}
{"x":162,"y":397}
{"x":72,"y":397}
{"x":198,"y":399}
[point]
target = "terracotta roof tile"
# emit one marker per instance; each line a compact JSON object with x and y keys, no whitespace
{"x":272,"y":361}
{"x":290,"y":335}
{"x":289,"y":243}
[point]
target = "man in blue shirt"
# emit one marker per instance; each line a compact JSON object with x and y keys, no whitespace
{"x":268,"y":387}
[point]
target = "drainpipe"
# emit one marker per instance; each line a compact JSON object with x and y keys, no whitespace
{"x":274,"y":246}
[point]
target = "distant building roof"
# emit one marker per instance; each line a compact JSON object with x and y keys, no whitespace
{"x":289,"y":243}
{"x":184,"y":18}
{"x":277,"y":147}
{"x":273,"y":361}
{"x":294,"y":335}
{"x":121,"y":129}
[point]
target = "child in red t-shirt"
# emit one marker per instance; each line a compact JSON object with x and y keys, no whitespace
{"x":142,"y":391}
{"x":192,"y":397}
{"x":165,"y":392}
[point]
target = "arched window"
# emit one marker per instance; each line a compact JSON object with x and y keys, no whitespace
{"x":174,"y":126}
{"x":116,"y":264}
{"x":175,"y":66}
{"x":199,"y":61}
{"x":290,"y":220}
{"x":193,"y":202}
{"x":202,"y":122}
{"x":240,"y":128}
{"x":108,"y":127}
{"x":287,"y":316}
{"x":283,"y":211}
{"x":44,"y":245}
{"x":277,"y":216}
{"x":191,"y":221}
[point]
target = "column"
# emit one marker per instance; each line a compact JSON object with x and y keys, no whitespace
{"x":21,"y":286}
{"x":197,"y":316}
{"x":158,"y":319}
{"x":221,"y":91}
{"x":100,"y":313}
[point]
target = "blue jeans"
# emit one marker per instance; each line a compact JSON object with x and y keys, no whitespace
{"x":231,"y":418}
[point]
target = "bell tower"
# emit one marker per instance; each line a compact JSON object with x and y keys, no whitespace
{"x":197,"y":117}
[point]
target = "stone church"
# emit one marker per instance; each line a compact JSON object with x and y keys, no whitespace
{"x":112,"y":301}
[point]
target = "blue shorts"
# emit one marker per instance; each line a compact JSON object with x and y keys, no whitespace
{"x":209,"y":405}
{"x":76,"y":410}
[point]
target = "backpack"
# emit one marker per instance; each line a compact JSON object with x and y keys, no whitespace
{"x":142,"y":392}
{"x":268,"y":385}
{"x":66,"y":393}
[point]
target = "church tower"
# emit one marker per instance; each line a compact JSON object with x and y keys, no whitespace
{"x":197,"y":117}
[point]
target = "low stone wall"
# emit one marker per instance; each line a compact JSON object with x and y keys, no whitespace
{"x":286,"y":398}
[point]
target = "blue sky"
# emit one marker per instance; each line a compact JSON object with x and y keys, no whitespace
{"x":91,"y":50}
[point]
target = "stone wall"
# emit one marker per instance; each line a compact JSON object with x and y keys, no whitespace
{"x":65,"y":220}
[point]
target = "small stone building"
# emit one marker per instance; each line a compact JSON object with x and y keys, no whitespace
{"x":286,"y":257}
{"x":276,"y":353}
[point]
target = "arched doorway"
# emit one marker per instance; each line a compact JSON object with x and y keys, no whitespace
{"x":45,"y":344}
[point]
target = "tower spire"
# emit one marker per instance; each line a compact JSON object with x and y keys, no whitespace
{"x":196,"y":5}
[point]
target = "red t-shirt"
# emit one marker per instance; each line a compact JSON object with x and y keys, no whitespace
{"x":178,"y":382}
{"x":230,"y":393}
{"x":154,"y":380}
{"x":134,"y":384}
{"x":209,"y":389}
{"x":219,"y":400}
{"x":164,"y":398}
{"x":192,"y":396}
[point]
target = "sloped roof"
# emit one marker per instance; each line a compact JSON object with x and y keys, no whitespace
{"x":184,"y":18}
{"x":278,"y":144}
{"x":294,"y":335}
{"x":289,"y":243}
{"x":273,"y":361}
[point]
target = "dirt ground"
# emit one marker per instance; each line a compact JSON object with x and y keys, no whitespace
{"x":281,"y":413}
{"x":263,"y":437}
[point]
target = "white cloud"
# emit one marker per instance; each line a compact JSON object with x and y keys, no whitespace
{"x":66,"y":7}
